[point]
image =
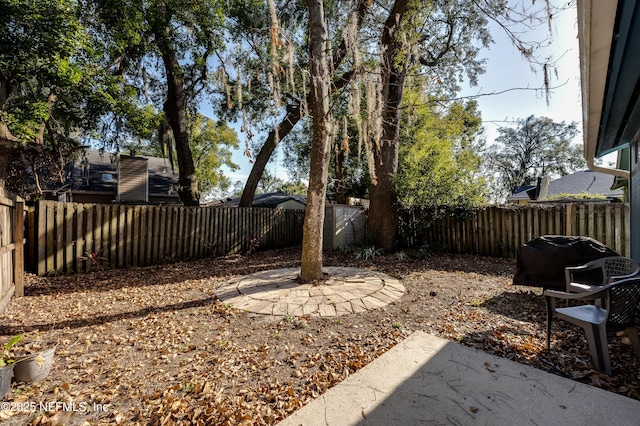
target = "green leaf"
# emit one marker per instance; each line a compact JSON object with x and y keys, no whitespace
{"x":13,"y":341}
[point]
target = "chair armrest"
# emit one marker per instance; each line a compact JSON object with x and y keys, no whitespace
{"x":598,"y":293}
{"x":579,"y":268}
{"x":591,"y":266}
{"x":622,"y":277}
{"x":569,"y":270}
{"x":580,"y":288}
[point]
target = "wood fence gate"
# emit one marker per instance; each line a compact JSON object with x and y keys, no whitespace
{"x":11,"y":247}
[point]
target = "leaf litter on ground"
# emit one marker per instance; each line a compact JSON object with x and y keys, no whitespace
{"x":153,"y":346}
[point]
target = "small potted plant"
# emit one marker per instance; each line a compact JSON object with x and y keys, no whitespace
{"x":7,"y":364}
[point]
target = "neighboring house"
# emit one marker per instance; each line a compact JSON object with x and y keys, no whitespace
{"x":609,"y":37}
{"x":273,"y":200}
{"x":343,"y":225}
{"x":522,"y":194}
{"x":585,"y":182}
{"x":119,"y":178}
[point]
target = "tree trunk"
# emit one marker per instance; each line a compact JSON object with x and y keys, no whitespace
{"x":383,"y":218}
{"x":5,"y":153}
{"x":7,"y":141}
{"x":341,"y":193}
{"x":176,"y":111}
{"x":270,"y":145}
{"x":294,"y":113}
{"x":320,"y":146}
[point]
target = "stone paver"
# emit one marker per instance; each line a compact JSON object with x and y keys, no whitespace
{"x":277,"y":292}
{"x":358,"y":305}
{"x":310,"y":309}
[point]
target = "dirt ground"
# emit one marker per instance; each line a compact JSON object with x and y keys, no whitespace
{"x":153,"y":346}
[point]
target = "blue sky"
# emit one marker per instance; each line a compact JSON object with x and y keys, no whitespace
{"x":507,"y":69}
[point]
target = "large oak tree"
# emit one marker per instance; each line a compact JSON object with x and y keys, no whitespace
{"x":437,"y":40}
{"x":293,"y":104}
{"x":320,"y":146}
{"x":164,"y":49}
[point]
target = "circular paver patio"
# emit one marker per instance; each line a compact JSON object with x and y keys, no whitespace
{"x":277,"y":292}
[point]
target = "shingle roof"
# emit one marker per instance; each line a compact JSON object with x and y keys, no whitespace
{"x":88,"y":169}
{"x":587,"y":181}
{"x":270,"y":200}
{"x":521,"y":193}
{"x":162,"y":178}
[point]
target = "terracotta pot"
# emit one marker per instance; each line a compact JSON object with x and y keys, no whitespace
{"x":34,"y":367}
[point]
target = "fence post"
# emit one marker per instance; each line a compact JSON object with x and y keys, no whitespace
{"x":18,"y":257}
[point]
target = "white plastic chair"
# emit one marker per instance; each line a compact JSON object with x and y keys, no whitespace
{"x":617,"y":313}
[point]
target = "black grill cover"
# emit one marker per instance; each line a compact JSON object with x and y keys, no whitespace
{"x":541,"y":262}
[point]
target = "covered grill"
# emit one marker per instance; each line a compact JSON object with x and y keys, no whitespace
{"x":541,"y":262}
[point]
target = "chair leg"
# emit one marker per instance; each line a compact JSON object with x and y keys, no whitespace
{"x":598,"y":346}
{"x":551,"y":306}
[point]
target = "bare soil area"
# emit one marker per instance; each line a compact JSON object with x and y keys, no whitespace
{"x":153,"y":345}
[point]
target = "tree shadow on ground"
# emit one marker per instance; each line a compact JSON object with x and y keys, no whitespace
{"x":523,"y":304}
{"x":218,"y":269}
{"x":222,"y":268}
{"x":393,"y":265}
{"x":105,"y":319}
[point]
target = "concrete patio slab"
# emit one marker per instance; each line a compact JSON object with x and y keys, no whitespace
{"x":432,"y":381}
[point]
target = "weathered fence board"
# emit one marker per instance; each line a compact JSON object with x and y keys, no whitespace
{"x":66,"y":235}
{"x":499,"y":231}
{"x":11,"y":247}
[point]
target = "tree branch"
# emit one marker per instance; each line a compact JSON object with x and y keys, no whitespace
{"x":435,"y":60}
{"x":294,"y":113}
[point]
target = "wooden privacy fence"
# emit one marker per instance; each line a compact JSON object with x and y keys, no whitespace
{"x":70,"y":237}
{"x":499,"y":231}
{"x":11,"y":247}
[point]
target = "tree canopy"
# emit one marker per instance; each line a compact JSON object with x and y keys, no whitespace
{"x":164,"y":50}
{"x":536,"y":147}
{"x":212,"y":144}
{"x":112,"y":73}
{"x":440,"y":155}
{"x":51,"y":87}
{"x":375,"y":101}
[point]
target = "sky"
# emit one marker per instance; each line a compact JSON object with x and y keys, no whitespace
{"x":506,"y":69}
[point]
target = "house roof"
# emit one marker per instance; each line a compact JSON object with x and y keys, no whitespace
{"x":270,"y":200}
{"x":587,"y":181}
{"x":610,"y":69}
{"x":521,"y":193}
{"x":99,"y":165}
